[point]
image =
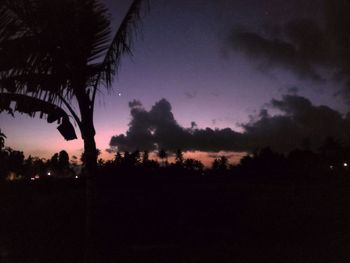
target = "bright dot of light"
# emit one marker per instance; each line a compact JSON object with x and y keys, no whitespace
{"x":331,"y":166}
{"x":345,"y":164}
{"x":32,"y":178}
{"x":119,"y":94}
{"x":37,"y":177}
{"x":48,"y":173}
{"x":76,"y":177}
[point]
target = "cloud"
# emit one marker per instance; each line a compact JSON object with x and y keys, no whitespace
{"x":303,"y":46}
{"x":299,"y":48}
{"x":293,"y":90}
{"x":157,"y":128}
{"x":191,"y":94}
{"x":150,"y":129}
{"x":299,"y":120}
{"x":135,"y":104}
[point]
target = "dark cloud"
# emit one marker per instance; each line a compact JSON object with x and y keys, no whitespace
{"x":150,"y":129}
{"x":158,"y":128}
{"x":191,"y":94}
{"x":293,"y":90}
{"x":135,"y":104}
{"x":300,"y":46}
{"x":299,"y":120}
{"x":303,"y":46}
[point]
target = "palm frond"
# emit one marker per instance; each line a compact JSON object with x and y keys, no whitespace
{"x":121,"y":44}
{"x":49,"y":88}
{"x":32,"y":106}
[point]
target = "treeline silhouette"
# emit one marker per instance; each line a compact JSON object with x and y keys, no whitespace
{"x":14,"y":165}
{"x":177,"y":204}
{"x":331,"y":157}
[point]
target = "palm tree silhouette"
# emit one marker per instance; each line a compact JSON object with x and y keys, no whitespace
{"x":56,"y":55}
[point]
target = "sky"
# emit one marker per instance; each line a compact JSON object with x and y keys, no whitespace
{"x":215,"y":63}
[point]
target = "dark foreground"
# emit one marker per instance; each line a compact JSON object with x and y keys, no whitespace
{"x":177,"y":220}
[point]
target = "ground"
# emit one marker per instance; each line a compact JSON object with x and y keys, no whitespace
{"x":178,"y":220}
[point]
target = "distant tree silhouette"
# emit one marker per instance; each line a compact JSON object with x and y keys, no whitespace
{"x":179,"y":158}
{"x":163,"y":155}
{"x":220,"y":163}
{"x":63,"y":159}
{"x":35,"y":166}
{"x":57,"y":52}
{"x":192,"y":164}
{"x":4,"y":164}
{"x":74,"y":165}
{"x":126,"y":159}
{"x":53,"y":163}
{"x":15,"y":161}
{"x":136,"y":158}
{"x":247,"y":161}
{"x":63,"y":163}
{"x":263,"y":160}
{"x":334,"y":153}
{"x":145,"y":157}
{"x":223,"y":163}
{"x":118,"y":159}
{"x":331,"y":148}
{"x":215,"y":165}
{"x":100,"y":162}
{"x":304,"y":160}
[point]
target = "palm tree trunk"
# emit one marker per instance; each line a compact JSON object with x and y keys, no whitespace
{"x":90,"y":190}
{"x":90,"y":156}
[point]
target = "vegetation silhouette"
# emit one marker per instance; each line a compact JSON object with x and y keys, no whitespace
{"x":146,"y":204}
{"x":179,"y":158}
{"x":57,"y":71}
{"x":163,"y":155}
{"x":332,"y":157}
{"x":55,"y":56}
{"x":2,"y":140}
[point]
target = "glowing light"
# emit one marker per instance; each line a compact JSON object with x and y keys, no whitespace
{"x":49,"y":173}
{"x":345,"y":165}
{"x":119,"y":94}
{"x":331,"y":167}
{"x":37,"y":177}
{"x":32,"y":178}
{"x":76,"y":177}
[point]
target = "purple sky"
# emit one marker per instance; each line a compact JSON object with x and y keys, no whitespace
{"x":183,"y":55}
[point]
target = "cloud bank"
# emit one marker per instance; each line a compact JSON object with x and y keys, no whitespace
{"x":299,"y":121}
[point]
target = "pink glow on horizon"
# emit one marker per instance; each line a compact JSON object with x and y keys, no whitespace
{"x":43,"y":140}
{"x":207,"y":158}
{"x":37,"y":138}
